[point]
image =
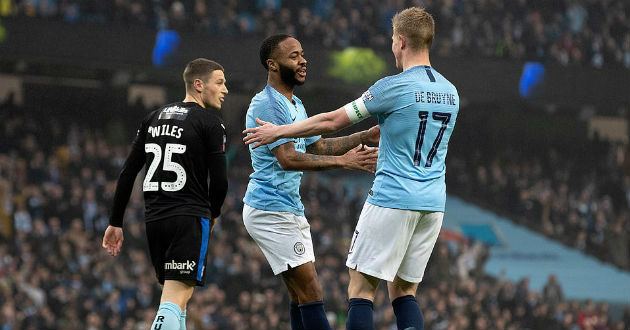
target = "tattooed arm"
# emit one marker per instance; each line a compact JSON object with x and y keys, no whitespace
{"x":353,"y":159}
{"x":335,"y":146}
{"x":341,"y":145}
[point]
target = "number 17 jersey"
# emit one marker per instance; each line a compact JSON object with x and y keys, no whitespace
{"x":416,"y":110}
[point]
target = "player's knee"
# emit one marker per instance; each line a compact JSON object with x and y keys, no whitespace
{"x":361,"y":290}
{"x":362,"y":285}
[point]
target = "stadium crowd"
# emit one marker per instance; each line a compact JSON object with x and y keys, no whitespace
{"x":57,"y":180}
{"x":577,"y":195}
{"x":587,"y":32}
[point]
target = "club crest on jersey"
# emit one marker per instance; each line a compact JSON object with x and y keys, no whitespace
{"x":299,"y":249}
{"x":174,"y":112}
{"x":367,"y":96}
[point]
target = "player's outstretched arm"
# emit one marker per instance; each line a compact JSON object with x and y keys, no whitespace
{"x":340,"y":145}
{"x":354,"y":159}
{"x":322,"y":123}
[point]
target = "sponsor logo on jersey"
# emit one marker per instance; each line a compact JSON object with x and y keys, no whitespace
{"x":299,"y":249}
{"x":174,"y":112}
{"x":188,"y":265}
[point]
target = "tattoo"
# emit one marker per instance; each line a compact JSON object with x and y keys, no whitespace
{"x":335,"y":146}
{"x":317,"y":161}
{"x":305,"y":161}
{"x":329,"y":148}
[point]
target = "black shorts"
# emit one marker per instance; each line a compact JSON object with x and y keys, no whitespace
{"x":179,"y":248}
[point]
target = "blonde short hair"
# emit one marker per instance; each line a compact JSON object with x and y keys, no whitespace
{"x":417,"y":26}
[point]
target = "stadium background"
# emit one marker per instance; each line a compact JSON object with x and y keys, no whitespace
{"x":542,"y":140}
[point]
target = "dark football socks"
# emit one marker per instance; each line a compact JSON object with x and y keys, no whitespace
{"x":296,"y":316}
{"x":314,"y":316}
{"x":408,"y":313}
{"x":360,"y":314}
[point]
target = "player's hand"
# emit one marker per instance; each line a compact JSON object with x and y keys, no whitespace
{"x":361,"y":158}
{"x":263,"y":134}
{"x":373,"y":135}
{"x":112,"y":240}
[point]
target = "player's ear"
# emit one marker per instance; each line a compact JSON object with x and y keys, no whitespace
{"x":198,"y":85}
{"x":272,"y":65}
{"x":403,"y":41}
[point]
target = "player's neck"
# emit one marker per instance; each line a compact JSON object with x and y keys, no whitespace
{"x":192,"y":98}
{"x":410,"y":59}
{"x":281,"y":87}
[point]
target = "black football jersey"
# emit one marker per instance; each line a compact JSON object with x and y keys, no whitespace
{"x":182,"y":147}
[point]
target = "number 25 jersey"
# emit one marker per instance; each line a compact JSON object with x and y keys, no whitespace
{"x":181,"y":145}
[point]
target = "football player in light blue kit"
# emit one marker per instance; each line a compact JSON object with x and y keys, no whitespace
{"x":273,"y":213}
{"x":402,"y":217}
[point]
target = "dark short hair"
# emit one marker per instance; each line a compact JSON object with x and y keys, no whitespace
{"x":269,"y":45}
{"x":199,"y":68}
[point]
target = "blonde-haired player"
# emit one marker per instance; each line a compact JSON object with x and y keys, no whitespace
{"x":402,"y":217}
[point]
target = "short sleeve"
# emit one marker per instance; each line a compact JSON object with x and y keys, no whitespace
{"x":381,"y":97}
{"x":276,"y":114}
{"x":310,"y":140}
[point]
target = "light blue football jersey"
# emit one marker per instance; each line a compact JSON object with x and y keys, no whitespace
{"x":270,"y":187}
{"x":416,"y":110}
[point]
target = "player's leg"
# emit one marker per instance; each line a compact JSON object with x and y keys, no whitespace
{"x":402,"y":290}
{"x":178,"y":248}
{"x":285,"y":240}
{"x":402,"y":294}
{"x":361,"y":291}
{"x":175,"y":296}
{"x":304,"y":282}
{"x":376,"y":251}
{"x":294,"y":309}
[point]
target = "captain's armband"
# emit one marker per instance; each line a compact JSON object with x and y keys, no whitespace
{"x":356,"y":110}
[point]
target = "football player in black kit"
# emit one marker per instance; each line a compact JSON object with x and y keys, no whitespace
{"x":181,"y":144}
